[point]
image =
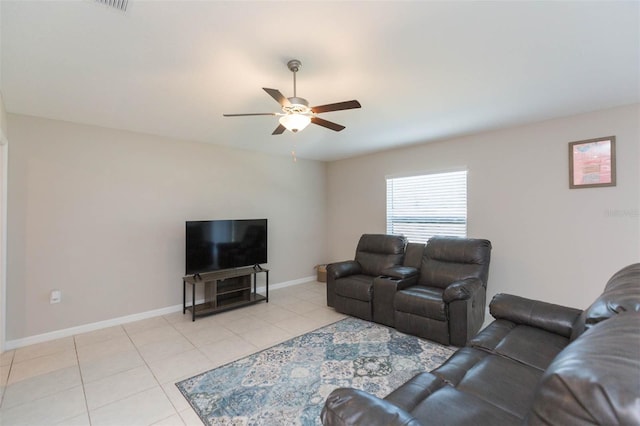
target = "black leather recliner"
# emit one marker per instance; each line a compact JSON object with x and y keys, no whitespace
{"x":447,"y":302}
{"x":350,"y":283}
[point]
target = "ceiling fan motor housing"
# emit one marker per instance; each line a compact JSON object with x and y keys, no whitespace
{"x":298,"y":106}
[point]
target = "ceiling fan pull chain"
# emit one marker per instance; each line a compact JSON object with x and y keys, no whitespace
{"x":294,"y":157}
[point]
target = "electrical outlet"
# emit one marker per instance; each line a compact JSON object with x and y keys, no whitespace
{"x":56,"y":296}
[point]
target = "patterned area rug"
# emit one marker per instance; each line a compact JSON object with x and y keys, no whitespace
{"x":287,"y":384}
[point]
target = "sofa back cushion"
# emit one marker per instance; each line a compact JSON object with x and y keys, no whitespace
{"x":377,"y":252}
{"x":413,"y":255}
{"x":534,"y":313}
{"x":595,"y":379}
{"x":449,"y":259}
{"x":621,"y":294}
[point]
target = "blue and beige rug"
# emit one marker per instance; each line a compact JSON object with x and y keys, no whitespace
{"x":287,"y":384}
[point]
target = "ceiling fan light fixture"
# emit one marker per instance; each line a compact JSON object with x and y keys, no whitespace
{"x":295,"y":122}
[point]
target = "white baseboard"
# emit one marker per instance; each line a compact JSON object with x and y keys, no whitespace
{"x":289,"y":283}
{"x":58,"y":334}
{"x":85,"y":328}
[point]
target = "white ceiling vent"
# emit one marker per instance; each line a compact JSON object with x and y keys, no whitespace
{"x":116,"y":4}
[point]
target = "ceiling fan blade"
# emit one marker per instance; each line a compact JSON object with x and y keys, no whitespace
{"x":252,"y":113}
{"x":339,"y":106}
{"x":279,"y":130}
{"x":328,"y":124}
{"x":279,"y":97}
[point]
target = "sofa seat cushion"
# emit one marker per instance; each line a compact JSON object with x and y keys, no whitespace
{"x":520,"y":343}
{"x":499,"y":381}
{"x":357,"y":287}
{"x":431,"y":400}
{"x":411,"y":393}
{"x":451,"y":406}
{"x":422,"y":301}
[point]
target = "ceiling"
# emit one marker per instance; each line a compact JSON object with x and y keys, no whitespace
{"x":423,"y":71}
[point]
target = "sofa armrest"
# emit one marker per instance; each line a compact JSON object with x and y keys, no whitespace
{"x":346,"y":406}
{"x":400,"y":272}
{"x":343,"y":269}
{"x":547,"y":316}
{"x":461,"y":290}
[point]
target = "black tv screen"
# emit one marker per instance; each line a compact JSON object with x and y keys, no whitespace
{"x":212,"y":245}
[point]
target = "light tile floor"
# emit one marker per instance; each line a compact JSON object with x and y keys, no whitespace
{"x":125,"y":375}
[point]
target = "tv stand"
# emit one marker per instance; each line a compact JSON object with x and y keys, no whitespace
{"x":224,"y":290}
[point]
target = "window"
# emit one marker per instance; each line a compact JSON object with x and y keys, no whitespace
{"x":420,"y":207}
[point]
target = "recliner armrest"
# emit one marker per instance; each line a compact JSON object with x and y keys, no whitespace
{"x":461,"y":290}
{"x":547,"y":316}
{"x":343,"y":269}
{"x":400,"y":272}
{"x":346,"y":406}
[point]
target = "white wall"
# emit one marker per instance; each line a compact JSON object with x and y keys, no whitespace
{"x":99,"y":214}
{"x":3,"y":182}
{"x":549,"y":242}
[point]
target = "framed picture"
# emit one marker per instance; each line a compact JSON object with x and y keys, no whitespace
{"x":592,"y":163}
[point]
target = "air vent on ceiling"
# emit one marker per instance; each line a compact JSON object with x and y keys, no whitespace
{"x":117,"y":4}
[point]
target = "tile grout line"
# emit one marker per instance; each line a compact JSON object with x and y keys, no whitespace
{"x":119,"y":372}
{"x":84,"y":392}
{"x":161,"y":387}
{"x":146,"y":363}
{"x":4,"y":390}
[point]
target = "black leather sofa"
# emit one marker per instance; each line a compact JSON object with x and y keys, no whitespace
{"x":537,"y":364}
{"x":435,"y":290}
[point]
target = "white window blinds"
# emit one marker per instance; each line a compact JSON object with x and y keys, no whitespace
{"x":420,"y":207}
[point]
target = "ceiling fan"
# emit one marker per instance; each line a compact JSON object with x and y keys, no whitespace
{"x":296,"y":113}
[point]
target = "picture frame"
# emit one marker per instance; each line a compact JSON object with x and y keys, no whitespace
{"x":592,"y":163}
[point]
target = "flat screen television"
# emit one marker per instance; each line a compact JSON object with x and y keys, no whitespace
{"x":212,"y":245}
